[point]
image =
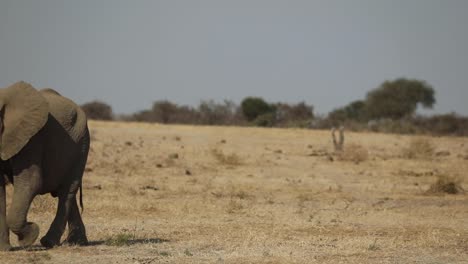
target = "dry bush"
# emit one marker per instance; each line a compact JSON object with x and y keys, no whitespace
{"x":234,"y":206}
{"x":98,"y":110}
{"x":231,"y":159}
{"x":354,"y":153}
{"x":446,"y":184}
{"x":419,"y":148}
{"x":445,"y":124}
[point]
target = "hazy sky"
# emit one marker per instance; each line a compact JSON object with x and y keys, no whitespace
{"x":327,"y":53}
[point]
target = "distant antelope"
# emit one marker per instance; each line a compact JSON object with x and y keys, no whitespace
{"x":338,"y":144}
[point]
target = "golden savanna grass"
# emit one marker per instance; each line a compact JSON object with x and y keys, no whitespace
{"x":193,"y":194}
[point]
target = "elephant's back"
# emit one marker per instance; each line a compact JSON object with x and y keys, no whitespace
{"x":69,"y":115}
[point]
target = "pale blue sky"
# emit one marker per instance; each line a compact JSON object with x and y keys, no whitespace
{"x":327,"y":53}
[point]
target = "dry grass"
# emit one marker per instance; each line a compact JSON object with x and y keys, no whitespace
{"x":353,"y":152}
{"x":119,"y":240}
{"x":419,"y":148}
{"x":446,"y":185}
{"x":43,"y":203}
{"x":231,"y":159}
{"x":243,"y":201}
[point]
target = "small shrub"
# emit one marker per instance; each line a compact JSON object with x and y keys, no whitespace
{"x":354,"y":153}
{"x":226,"y":159}
{"x":265,"y":120}
{"x":241,"y":194}
{"x":164,"y":254}
{"x":119,"y":240}
{"x":419,"y":148}
{"x":173,"y":156}
{"x":234,"y":206}
{"x":373,"y":246}
{"x":446,"y":184}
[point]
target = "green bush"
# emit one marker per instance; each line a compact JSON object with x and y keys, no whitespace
{"x":253,"y":107}
{"x":265,"y":120}
{"x":120,"y":240}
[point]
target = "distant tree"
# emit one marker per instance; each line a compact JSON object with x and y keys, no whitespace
{"x":302,"y":111}
{"x":164,"y":111}
{"x":186,"y":115}
{"x":98,"y":110}
{"x":354,"y":111}
{"x":287,"y":114}
{"x":142,"y":116}
{"x":398,"y":98}
{"x":212,"y":113}
{"x":253,"y":107}
{"x":167,"y":113}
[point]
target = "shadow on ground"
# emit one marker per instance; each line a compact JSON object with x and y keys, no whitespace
{"x":130,"y":242}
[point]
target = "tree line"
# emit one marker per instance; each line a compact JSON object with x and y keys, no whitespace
{"x":252,"y":111}
{"x":389,"y":108}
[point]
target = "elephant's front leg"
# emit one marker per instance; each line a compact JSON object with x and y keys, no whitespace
{"x":26,"y":185}
{"x":4,"y":231}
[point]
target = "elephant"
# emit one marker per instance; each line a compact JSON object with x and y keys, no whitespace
{"x":44,"y":144}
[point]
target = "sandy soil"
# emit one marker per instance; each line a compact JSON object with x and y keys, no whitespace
{"x":186,"y":194}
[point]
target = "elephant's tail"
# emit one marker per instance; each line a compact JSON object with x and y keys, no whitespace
{"x":85,"y":150}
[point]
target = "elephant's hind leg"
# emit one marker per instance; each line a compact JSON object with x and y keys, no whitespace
{"x":67,"y":208}
{"x":52,"y":238}
{"x":76,"y":228}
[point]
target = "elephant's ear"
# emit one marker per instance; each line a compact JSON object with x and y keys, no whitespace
{"x":24,"y":113}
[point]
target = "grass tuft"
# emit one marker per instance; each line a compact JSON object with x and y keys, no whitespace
{"x":120,"y":240}
{"x":446,"y":184}
{"x":234,"y":206}
{"x":419,"y":148}
{"x":231,"y":159}
{"x":354,"y":153}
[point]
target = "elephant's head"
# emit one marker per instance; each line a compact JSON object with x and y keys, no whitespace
{"x":24,"y":111}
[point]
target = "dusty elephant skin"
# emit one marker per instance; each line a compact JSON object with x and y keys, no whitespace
{"x":44,"y":145}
